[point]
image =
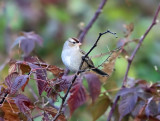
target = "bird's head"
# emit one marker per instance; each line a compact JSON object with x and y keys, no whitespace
{"x":72,"y":42}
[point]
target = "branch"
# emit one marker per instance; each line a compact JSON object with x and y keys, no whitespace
{"x":78,"y":72}
{"x":95,"y":44}
{"x":86,"y":29}
{"x":130,"y":60}
{"x":154,"y":21}
{"x":3,"y":99}
{"x":97,"y":13}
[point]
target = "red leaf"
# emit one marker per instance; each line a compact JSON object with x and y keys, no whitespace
{"x":23,"y":66}
{"x":94,"y":85}
{"x":10,"y":111}
{"x":58,"y":72}
{"x":23,"y":103}
{"x":125,"y":91}
{"x":27,"y":66}
{"x":27,"y":41}
{"x":77,"y":96}
{"x":59,"y":85}
{"x":138,"y":107}
{"x":127,"y":104}
{"x":18,"y":83}
{"x":34,"y":37}
{"x":23,"y":87}
{"x":41,"y":80}
{"x":55,"y":70}
{"x":27,"y":45}
{"x":151,"y":108}
{"x":35,"y":63}
{"x":64,"y":83}
{"x":10,"y":79}
{"x":53,"y":112}
{"x":41,"y":74}
{"x":49,"y":90}
{"x":31,"y":59}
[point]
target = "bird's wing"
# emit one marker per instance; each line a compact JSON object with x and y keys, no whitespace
{"x":87,"y":59}
{"x":83,"y":52}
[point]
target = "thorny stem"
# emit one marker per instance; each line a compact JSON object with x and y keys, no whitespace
{"x":154,"y":21}
{"x":97,"y":13}
{"x":77,"y":73}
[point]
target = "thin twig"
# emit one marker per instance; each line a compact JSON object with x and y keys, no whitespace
{"x":113,"y":108}
{"x":107,"y":53}
{"x":100,"y":34}
{"x":97,"y":13}
{"x":32,"y":92}
{"x":154,"y":21}
{"x":77,"y":73}
{"x":3,"y":99}
{"x":111,"y":52}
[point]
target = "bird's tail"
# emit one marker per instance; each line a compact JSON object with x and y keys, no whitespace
{"x":100,"y":72}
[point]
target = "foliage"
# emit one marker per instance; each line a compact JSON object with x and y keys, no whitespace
{"x":35,"y":84}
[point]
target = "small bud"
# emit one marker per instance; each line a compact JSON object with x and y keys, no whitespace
{"x":142,"y":36}
{"x":127,"y":57}
{"x":157,"y":21}
{"x":81,"y":25}
{"x":155,"y":67}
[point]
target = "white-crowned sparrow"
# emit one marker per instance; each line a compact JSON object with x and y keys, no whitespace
{"x":72,"y":57}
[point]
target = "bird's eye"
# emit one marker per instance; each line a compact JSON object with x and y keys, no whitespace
{"x":74,"y":42}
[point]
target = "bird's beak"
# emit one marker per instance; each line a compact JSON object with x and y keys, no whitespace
{"x":79,"y":44}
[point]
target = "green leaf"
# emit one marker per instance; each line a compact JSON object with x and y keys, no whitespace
{"x":99,"y":107}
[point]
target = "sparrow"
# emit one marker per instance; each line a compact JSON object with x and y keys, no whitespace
{"x":72,"y":57}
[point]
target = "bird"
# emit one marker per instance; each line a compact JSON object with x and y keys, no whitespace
{"x":72,"y":57}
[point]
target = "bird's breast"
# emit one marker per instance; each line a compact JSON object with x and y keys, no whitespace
{"x":71,"y":60}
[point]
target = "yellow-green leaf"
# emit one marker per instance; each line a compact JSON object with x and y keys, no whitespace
{"x":99,"y":107}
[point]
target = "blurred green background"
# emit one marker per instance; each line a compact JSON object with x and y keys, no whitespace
{"x":57,"y":20}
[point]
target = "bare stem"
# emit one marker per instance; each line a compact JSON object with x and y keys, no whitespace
{"x":130,"y":60}
{"x":97,"y":13}
{"x":140,"y":43}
